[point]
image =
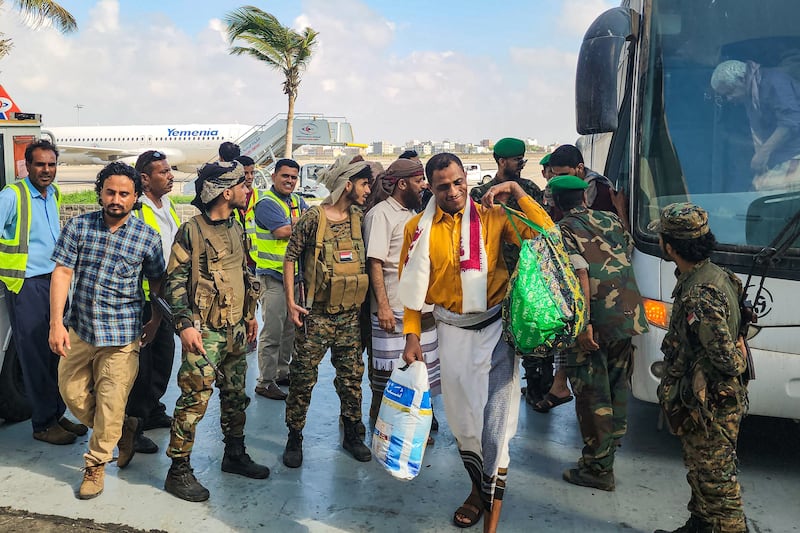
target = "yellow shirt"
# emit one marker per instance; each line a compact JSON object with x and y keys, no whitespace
{"x":444,"y":286}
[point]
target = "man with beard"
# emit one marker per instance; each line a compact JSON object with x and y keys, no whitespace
{"x":704,"y":390}
{"x":157,"y":356}
{"x":404,"y":181}
{"x":28,"y":231}
{"x":479,"y":370}
{"x":329,"y":240}
{"x":213,"y":298}
{"x":509,"y":153}
{"x":107,"y":252}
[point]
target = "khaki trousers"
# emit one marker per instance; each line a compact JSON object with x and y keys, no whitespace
{"x":95,"y":383}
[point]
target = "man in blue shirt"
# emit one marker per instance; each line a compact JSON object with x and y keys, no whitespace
{"x":26,"y":245}
{"x":276,"y":213}
{"x":107,"y":252}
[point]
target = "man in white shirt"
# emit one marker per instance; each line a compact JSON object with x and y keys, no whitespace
{"x":156,"y":357}
{"x":395,"y":198}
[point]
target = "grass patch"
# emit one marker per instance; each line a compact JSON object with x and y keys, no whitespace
{"x":82,"y":197}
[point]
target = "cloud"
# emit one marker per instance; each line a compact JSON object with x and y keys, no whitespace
{"x":577,"y":15}
{"x":148,"y":70}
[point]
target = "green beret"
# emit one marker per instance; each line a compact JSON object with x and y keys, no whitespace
{"x":566,"y":183}
{"x":509,"y":147}
{"x":545,"y":160}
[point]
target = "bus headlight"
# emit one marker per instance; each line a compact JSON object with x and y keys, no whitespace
{"x":657,"y":312}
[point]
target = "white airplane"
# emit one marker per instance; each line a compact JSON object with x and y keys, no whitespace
{"x":187,"y":146}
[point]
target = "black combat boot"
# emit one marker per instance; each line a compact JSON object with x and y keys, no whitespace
{"x":354,"y":443}
{"x":693,"y":525}
{"x":293,"y":454}
{"x":181,"y":482}
{"x":236,"y":460}
{"x":360,"y":427}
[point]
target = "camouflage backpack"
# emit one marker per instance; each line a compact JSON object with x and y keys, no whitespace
{"x":544,"y":307}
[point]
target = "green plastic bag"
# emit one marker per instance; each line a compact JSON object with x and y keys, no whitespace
{"x":544,"y":306}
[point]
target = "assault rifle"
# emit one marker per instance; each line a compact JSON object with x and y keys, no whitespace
{"x":167,"y":316}
{"x":302,"y":290}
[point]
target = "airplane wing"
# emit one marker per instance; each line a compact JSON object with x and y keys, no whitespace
{"x":106,"y":154}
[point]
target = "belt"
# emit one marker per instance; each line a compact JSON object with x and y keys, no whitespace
{"x":42,"y":276}
{"x":489,"y":321}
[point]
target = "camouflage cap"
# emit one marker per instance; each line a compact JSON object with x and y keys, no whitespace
{"x":214,"y":178}
{"x":681,"y":220}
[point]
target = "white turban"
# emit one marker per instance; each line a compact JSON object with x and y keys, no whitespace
{"x":336,"y":176}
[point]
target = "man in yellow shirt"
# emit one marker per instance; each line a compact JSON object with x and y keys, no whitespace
{"x":452,"y":258}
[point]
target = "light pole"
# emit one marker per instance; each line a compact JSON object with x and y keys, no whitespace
{"x":78,"y":107}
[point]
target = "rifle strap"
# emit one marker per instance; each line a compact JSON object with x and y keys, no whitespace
{"x":311,"y":289}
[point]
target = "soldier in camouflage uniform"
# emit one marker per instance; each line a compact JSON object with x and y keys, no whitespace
{"x":599,"y":365}
{"x":327,"y":241}
{"x":703,"y":391}
{"x":213,"y":298}
{"x":509,"y":154}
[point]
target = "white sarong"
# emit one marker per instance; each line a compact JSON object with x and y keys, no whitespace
{"x":480,"y":390}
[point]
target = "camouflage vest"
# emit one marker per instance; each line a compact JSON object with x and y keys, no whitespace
{"x":217,"y":286}
{"x":335,"y":268}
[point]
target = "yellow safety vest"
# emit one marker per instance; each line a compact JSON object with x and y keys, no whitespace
{"x":14,"y":251}
{"x":271,"y":250}
{"x":249,"y":222}
{"x":148,"y":216}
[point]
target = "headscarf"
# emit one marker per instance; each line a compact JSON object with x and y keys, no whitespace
{"x":213,"y":179}
{"x":386,"y":182}
{"x":336,"y":176}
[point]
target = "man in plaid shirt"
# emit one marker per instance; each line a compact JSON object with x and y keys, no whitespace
{"x":107,"y":251}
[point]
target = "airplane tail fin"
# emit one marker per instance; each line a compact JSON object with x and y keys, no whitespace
{"x":7,"y":105}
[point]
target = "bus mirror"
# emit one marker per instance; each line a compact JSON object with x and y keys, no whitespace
{"x":598,"y":77}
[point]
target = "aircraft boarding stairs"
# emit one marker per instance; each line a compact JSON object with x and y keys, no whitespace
{"x":266,"y":143}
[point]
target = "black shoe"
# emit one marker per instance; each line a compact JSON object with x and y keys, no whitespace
{"x":293,"y":454}
{"x":271,"y":391}
{"x":693,"y":525}
{"x":236,"y":460}
{"x":360,"y":427}
{"x":353,"y":442}
{"x":181,"y":482}
{"x":587,"y":478}
{"x":157,"y":420}
{"x":434,"y":422}
{"x":143,"y":444}
{"x":283,"y":382}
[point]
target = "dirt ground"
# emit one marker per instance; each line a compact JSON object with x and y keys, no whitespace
{"x":13,"y":521}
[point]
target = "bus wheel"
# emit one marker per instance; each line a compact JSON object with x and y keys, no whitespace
{"x":14,"y":406}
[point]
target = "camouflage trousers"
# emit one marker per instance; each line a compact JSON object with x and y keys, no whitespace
{"x":600,"y":383}
{"x":341,"y":333}
{"x":710,"y":456}
{"x":195,"y":380}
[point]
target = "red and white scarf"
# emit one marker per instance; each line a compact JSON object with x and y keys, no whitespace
{"x":415,"y":278}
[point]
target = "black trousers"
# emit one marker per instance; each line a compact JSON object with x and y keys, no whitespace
{"x":155,"y":369}
{"x":29,"y":313}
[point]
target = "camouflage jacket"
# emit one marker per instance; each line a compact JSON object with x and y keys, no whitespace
{"x":207,"y":279}
{"x":704,"y":324}
{"x":510,"y":251}
{"x":616,"y":309}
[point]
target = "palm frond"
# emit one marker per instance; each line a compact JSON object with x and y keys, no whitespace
{"x":41,"y":11}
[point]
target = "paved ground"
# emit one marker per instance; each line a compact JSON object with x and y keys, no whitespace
{"x":332,"y":492}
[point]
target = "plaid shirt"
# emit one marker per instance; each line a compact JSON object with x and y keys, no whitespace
{"x":107,"y":301}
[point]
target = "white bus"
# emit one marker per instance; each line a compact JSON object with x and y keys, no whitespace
{"x":649,"y":117}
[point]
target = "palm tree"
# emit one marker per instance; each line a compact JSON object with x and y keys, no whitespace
{"x":39,"y":12}
{"x":266,"y":39}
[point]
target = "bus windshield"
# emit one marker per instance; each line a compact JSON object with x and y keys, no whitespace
{"x":720,"y":116}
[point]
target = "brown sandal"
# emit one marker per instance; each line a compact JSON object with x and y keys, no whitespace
{"x":471,"y":509}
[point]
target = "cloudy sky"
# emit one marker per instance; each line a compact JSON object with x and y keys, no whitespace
{"x":416,"y":69}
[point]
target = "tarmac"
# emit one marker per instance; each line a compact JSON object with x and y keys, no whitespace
{"x":332,"y":492}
